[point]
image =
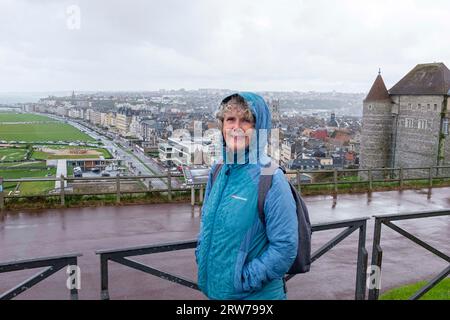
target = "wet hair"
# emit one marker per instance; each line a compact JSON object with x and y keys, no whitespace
{"x":235,"y":101}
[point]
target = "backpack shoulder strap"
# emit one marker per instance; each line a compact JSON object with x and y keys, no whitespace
{"x":216,"y":172}
{"x":265,"y":182}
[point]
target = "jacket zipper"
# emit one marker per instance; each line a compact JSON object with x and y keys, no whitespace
{"x":214,"y":224}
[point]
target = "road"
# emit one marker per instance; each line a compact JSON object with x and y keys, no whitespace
{"x":137,"y":162}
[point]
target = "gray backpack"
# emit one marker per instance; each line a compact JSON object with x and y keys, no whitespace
{"x":302,"y":262}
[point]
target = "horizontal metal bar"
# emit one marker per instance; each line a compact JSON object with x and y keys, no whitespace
{"x":163,"y":275}
{"x":417,"y":241}
{"x":96,"y":179}
{"x":31,"y":179}
{"x":30,"y":282}
{"x":36,"y":263}
{"x":68,"y":194}
{"x":366,"y":170}
{"x":413,"y":215}
{"x":188,"y":244}
{"x":339,"y":224}
{"x":433,"y":282}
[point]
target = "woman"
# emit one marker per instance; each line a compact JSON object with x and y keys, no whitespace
{"x":238,"y":256}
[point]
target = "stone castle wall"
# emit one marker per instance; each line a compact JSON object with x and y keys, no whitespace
{"x":376,"y":136}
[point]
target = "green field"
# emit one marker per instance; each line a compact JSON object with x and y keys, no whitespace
{"x":28,"y":188}
{"x":440,"y":292}
{"x":42,"y":132}
{"x":22,"y":117}
{"x":27,"y":164}
{"x":12,"y":154}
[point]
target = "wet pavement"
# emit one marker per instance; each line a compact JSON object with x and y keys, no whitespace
{"x":26,"y":235}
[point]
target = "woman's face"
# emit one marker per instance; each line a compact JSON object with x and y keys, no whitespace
{"x":237,"y":129}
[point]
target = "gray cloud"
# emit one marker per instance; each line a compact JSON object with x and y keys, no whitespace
{"x":247,"y":45}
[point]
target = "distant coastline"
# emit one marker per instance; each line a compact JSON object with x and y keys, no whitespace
{"x":27,"y":97}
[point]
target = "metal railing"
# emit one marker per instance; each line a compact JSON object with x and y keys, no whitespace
{"x":393,"y":175}
{"x":377,"y":252}
{"x":121,"y":256}
{"x":52,"y":264}
{"x":64,"y":192}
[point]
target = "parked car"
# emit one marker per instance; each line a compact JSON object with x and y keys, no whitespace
{"x":95,"y":170}
{"x":105,"y":174}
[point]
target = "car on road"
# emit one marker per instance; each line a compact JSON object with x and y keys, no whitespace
{"x":95,"y":170}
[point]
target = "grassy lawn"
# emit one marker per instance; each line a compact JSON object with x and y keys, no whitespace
{"x":42,"y":132}
{"x":439,"y":292}
{"x":34,"y":164}
{"x":37,"y":188}
{"x":12,"y":154}
{"x":22,"y":117}
{"x":28,"y":188}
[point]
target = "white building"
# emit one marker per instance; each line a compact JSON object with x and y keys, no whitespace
{"x":188,"y":152}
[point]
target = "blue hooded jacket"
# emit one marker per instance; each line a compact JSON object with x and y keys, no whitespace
{"x":237,"y":256}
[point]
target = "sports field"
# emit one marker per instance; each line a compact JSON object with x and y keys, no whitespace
{"x":28,"y":188}
{"x":42,"y":132}
{"x":22,"y":117}
{"x":12,"y":154}
{"x":72,"y":152}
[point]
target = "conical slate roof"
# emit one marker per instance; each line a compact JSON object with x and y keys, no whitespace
{"x":378,"y":92}
{"x":424,"y":79}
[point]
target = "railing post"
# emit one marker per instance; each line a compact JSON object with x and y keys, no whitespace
{"x":370,"y":180}
{"x":430,"y":177}
{"x":117,"y":189}
{"x":62,"y":190}
{"x":360,"y":291}
{"x":104,"y":294}
{"x":377,"y":256}
{"x":2,"y":196}
{"x":169,"y":185}
{"x":201,"y":194}
{"x":74,"y":290}
{"x":401,"y":178}
{"x":192,"y":195}
{"x":335,"y":181}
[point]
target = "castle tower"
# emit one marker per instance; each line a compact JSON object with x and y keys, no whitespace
{"x":377,"y":127}
{"x":421,"y":98}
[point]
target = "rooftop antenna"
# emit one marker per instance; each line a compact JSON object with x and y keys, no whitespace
{"x":379,"y":71}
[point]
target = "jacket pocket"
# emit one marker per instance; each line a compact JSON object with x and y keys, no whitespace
{"x":240,"y":261}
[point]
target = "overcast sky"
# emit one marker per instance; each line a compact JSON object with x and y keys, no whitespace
{"x":258,"y":45}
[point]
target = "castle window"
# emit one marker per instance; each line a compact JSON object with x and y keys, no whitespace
{"x":435,"y":107}
{"x":370,"y":107}
{"x":410,"y":123}
{"x":409,"y":106}
{"x":429,"y":107}
{"x":422,"y":124}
